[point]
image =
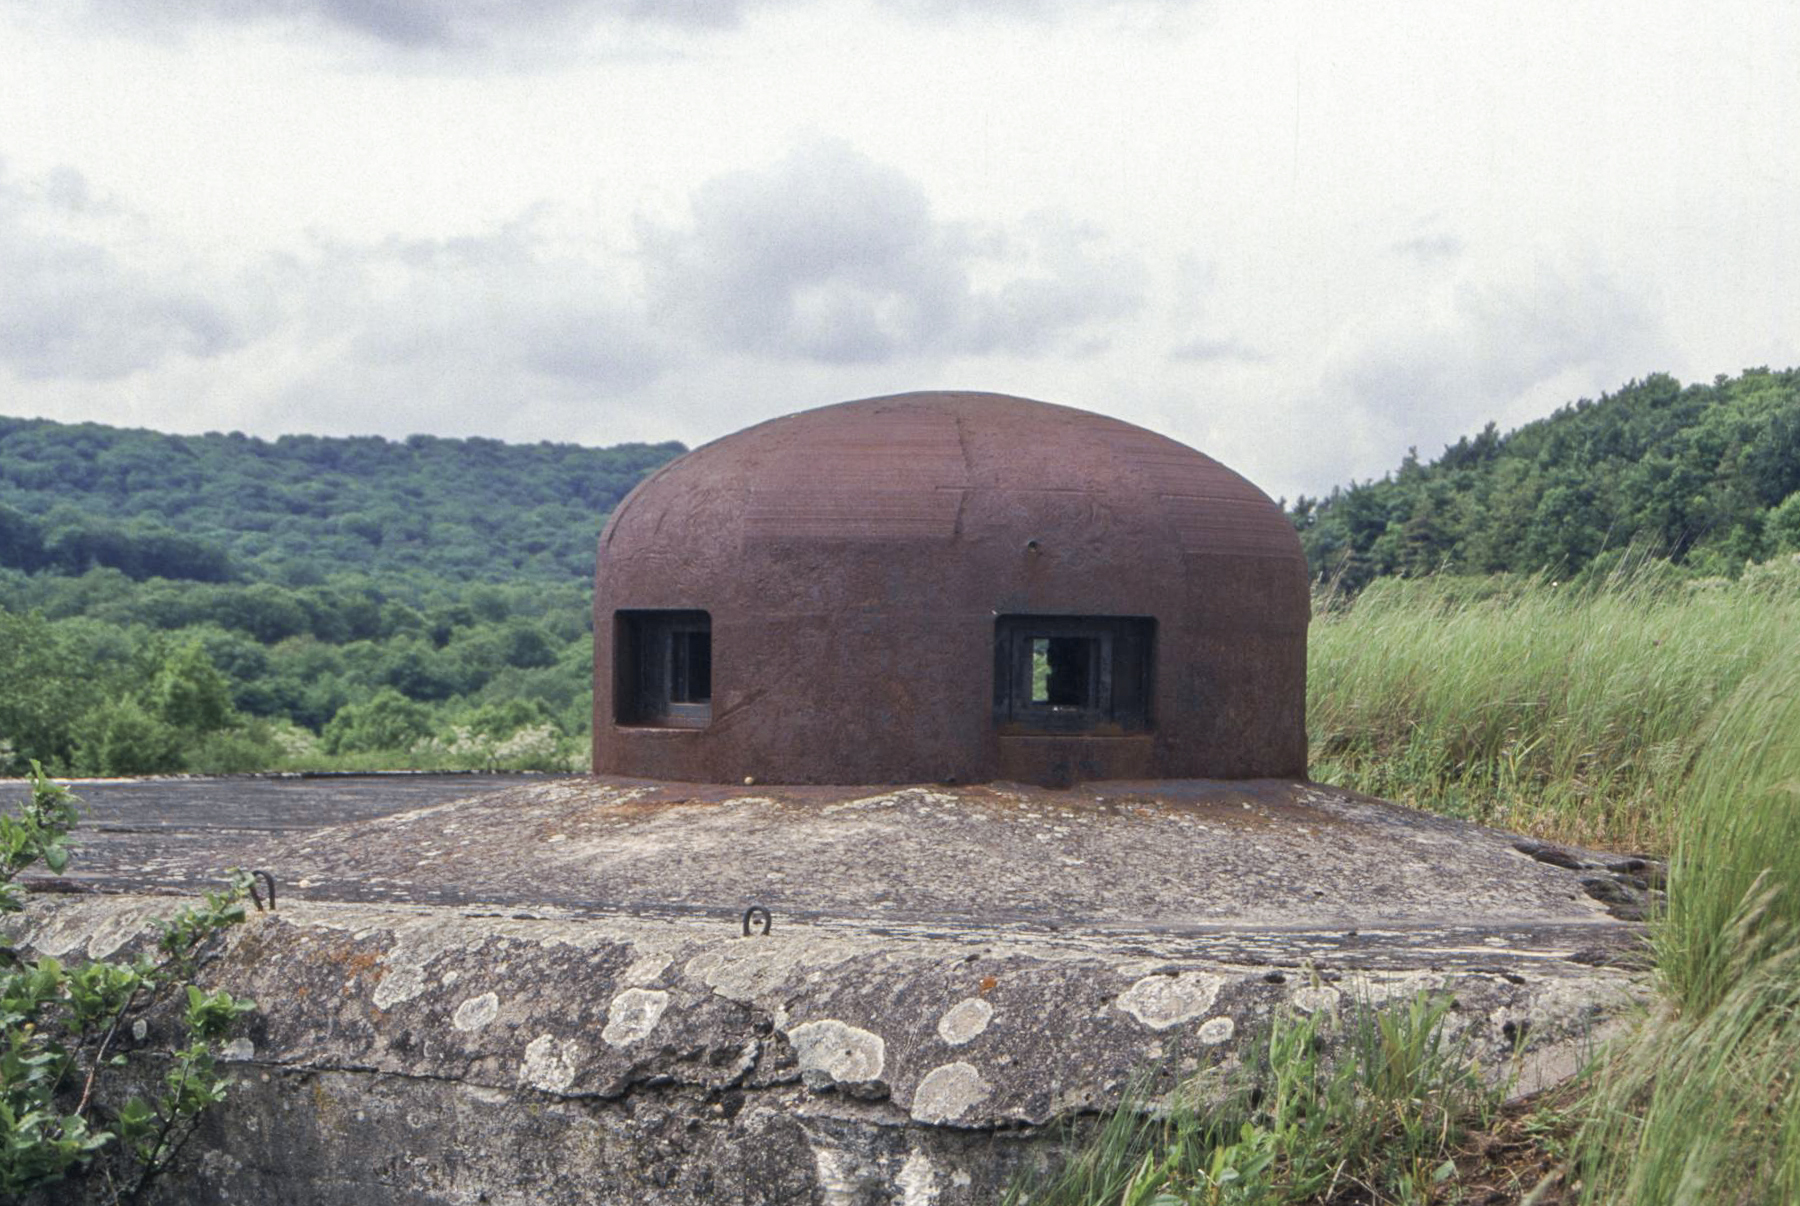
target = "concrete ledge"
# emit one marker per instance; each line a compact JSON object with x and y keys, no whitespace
{"x":543,"y":995}
{"x":424,"y":1054}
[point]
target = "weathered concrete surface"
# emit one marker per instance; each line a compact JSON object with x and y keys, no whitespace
{"x":952,"y":973}
{"x":1224,"y":859}
{"x":176,"y":831}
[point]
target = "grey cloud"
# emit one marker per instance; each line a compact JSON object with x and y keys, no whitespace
{"x":1439,"y":366}
{"x":496,"y":304}
{"x":429,"y":24}
{"x":1202,"y":350}
{"x":1072,"y":283}
{"x":507,"y":333}
{"x":1195,"y":281}
{"x":1494,"y":338}
{"x":1034,"y":10}
{"x":73,"y":307}
{"x":1428,"y":249}
{"x":461,"y":25}
{"x":832,"y":257}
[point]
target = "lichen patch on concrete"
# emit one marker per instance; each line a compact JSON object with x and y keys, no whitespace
{"x":964,"y":1021}
{"x":118,"y":930}
{"x":755,"y":968}
{"x":1214,"y":1031}
{"x":633,"y":1014}
{"x":476,"y":1012}
{"x":646,"y":970}
{"x":948,"y":1093}
{"x":833,"y":1053}
{"x":1160,"y":1002}
{"x":1316,"y":998}
{"x":550,"y":1063}
{"x":917,"y":1180}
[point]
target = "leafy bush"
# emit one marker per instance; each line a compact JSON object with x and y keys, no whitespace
{"x":240,"y":751}
{"x":121,"y":738}
{"x":1784,"y":524}
{"x":389,"y":721}
{"x":41,"y":697}
{"x":61,"y":1029}
{"x":187,"y":692}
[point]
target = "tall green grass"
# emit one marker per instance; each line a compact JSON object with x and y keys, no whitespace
{"x":1573,"y":712}
{"x":1641,"y":712}
{"x":1702,"y":1103}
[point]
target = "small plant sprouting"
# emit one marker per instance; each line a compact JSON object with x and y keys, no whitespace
{"x":60,"y":1028}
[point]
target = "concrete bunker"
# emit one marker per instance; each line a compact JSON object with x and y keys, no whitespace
{"x":939,"y":587}
{"x":952,"y":978}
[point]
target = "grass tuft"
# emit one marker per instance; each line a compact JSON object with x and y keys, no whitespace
{"x":1373,"y":1115}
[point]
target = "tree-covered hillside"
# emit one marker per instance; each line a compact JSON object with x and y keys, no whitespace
{"x":1707,"y":476}
{"x":215,"y":508}
{"x":221,"y":603}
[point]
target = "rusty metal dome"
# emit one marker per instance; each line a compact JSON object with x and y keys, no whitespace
{"x":942,"y":587}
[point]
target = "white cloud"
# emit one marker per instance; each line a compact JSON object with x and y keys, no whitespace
{"x":829,"y":256}
{"x":1300,"y":237}
{"x":506,"y":300}
{"x":824,"y":260}
{"x":508,"y":332}
{"x":1485,"y":335}
{"x":73,"y":305}
{"x":1202,"y":348}
{"x":416,"y":24}
{"x":1490,"y":340}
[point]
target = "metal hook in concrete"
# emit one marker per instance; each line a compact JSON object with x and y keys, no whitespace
{"x":768,"y":922}
{"x":255,"y":896}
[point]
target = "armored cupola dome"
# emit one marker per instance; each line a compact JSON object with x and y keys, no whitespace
{"x":948,"y":586}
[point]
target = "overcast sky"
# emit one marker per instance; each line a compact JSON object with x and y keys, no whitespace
{"x":1300,"y":237}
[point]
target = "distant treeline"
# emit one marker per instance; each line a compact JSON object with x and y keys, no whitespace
{"x":221,"y":603}
{"x":103,"y":675}
{"x":1707,"y":476}
{"x":217,"y":508}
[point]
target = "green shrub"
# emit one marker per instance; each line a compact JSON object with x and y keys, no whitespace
{"x":121,"y":738}
{"x":40,"y":697}
{"x":187,"y":692}
{"x":253,"y":747}
{"x":60,"y":1115}
{"x":388,"y":721}
{"x":1783,"y":528}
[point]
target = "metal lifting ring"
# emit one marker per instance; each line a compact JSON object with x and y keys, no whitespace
{"x":767,"y":921}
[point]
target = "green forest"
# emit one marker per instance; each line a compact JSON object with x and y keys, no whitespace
{"x":1705,"y":476}
{"x":222,"y":603}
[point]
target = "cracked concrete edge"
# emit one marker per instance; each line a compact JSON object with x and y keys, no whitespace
{"x":931,"y":1031}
